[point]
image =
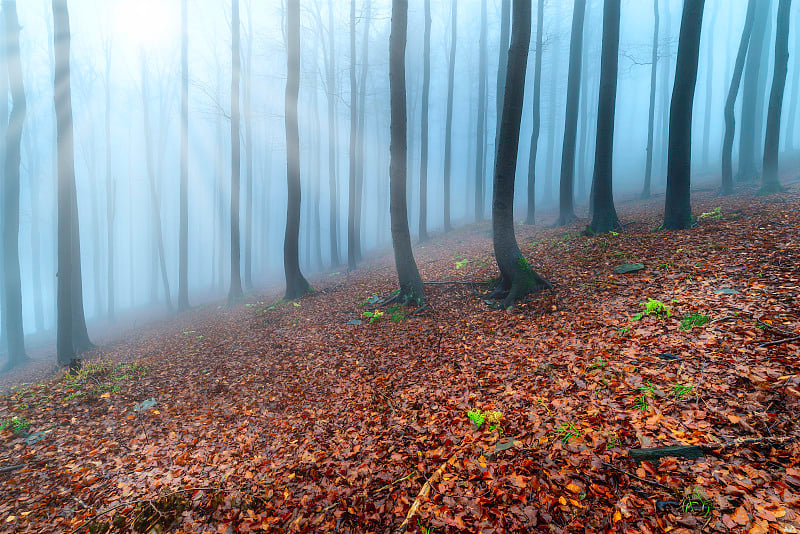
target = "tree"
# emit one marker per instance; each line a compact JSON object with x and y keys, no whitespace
{"x":248,"y":146}
{"x":604,"y":215}
{"x":448,"y":134}
{"x":530,"y":217}
{"x":711,"y":48}
{"x":183,"y":238}
{"x":648,"y":169}
{"x":351,"y":205}
{"x":769,"y":180}
{"x":11,"y":189}
{"x":730,"y":101}
{"x":111,"y":189}
{"x":423,"y":160}
{"x":330,"y":78}
{"x":792,"y":118}
{"x":750,"y":93}
{"x":296,"y":284}
{"x":566,"y":195}
{"x":517,"y":278}
{"x":678,"y":208}
{"x":362,"y":94}
{"x":480,"y":148}
{"x":235,"y":292}
{"x":411,"y":288}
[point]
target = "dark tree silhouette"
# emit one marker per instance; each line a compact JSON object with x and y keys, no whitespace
{"x":15,"y":335}
{"x":678,"y":208}
{"x":502,"y":65}
{"x":791,"y":120}
{"x":235,"y":293}
{"x":448,"y":134}
{"x":648,"y":170}
{"x":730,"y":102}
{"x":517,"y":278}
{"x":423,"y":159}
{"x":296,"y":284}
{"x":748,"y":146}
{"x":3,"y":128}
{"x":566,"y":194}
{"x":769,"y":179}
{"x":480,"y":147}
{"x":411,"y":288}
{"x":183,"y":238}
{"x":333,"y":185}
{"x":604,"y":215}
{"x":530,"y":217}
{"x":351,"y":205}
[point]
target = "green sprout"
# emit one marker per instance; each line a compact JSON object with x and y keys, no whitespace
{"x":16,"y":425}
{"x":653,"y":307}
{"x":716,"y":213}
{"x":567,"y":431}
{"x":693,"y":319}
{"x":643,"y":398}
{"x":373,"y":316}
{"x":478,"y":418}
{"x":682,"y":391}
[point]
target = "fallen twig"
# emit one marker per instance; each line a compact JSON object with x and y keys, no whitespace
{"x":779,"y":342}
{"x":10,"y":468}
{"x":454,"y":282}
{"x":634,"y":476}
{"x":424,"y":492}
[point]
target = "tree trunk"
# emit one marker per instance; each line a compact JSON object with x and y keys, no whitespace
{"x":296,"y":284}
{"x":235,"y":293}
{"x":567,"y":189}
{"x":583,"y":121}
{"x":666,"y":68}
{"x":648,"y":169}
{"x":750,"y":91}
{"x":423,"y":159}
{"x":333,"y":185}
{"x":448,"y":129}
{"x":678,"y":208}
{"x":502,"y":66}
{"x":480,"y":149}
{"x":3,"y":129}
{"x":362,"y":94}
{"x":604,"y":215}
{"x":537,"y":92}
{"x":411,"y":288}
{"x":551,"y":115}
{"x":11,"y":189}
{"x":65,"y":349}
{"x":517,"y":278}
{"x":709,"y":86}
{"x":351,"y":203}
{"x":770,"y":182}
{"x":154,"y":200}
{"x":183,"y":245}
{"x":730,"y":102}
{"x":317,"y":172}
{"x":792,"y":119}
{"x":35,"y":197}
{"x":111,"y":192}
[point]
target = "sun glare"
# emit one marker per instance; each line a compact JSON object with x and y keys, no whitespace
{"x":148,"y":24}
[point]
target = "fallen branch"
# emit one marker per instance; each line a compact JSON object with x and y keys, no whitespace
{"x":423,"y":493}
{"x":693,"y":452}
{"x":779,"y":342}
{"x":454,"y":282}
{"x":637,"y":477}
{"x":10,"y":468}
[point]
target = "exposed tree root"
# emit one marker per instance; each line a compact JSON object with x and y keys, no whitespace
{"x":423,"y":493}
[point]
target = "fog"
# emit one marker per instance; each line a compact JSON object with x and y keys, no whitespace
{"x":132,"y":50}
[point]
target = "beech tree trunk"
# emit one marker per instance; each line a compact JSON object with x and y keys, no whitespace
{"x":248,"y":147}
{"x":549,"y":178}
{"x":791,"y":121}
{"x":351,"y":204}
{"x":567,"y":189}
{"x":183,"y":231}
{"x":709,"y":86}
{"x":423,"y":159}
{"x":648,"y":168}
{"x":480,"y":149}
{"x":730,"y":102}
{"x":530,"y":217}
{"x":502,"y":65}
{"x":361,"y":131}
{"x":678,"y":208}
{"x":235,"y":293}
{"x":15,"y":335}
{"x":769,"y":180}
{"x":411,"y":288}
{"x":296,"y":284}
{"x":604,"y":215}
{"x":333,"y":185}
{"x":448,"y":134}
{"x":517,"y":278}
{"x":111,"y":193}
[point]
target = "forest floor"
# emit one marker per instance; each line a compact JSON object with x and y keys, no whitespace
{"x":273,"y":416}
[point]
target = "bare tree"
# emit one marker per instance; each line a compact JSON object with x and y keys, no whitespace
{"x":423,"y":160}
{"x":530,"y":217}
{"x":235,"y":292}
{"x":183,"y":231}
{"x":448,"y":147}
{"x":648,"y":169}
{"x":351,"y":204}
{"x":480,"y":147}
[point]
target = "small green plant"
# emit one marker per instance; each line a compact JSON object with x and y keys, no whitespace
{"x":396,"y":314}
{"x":461,"y":263}
{"x":423,"y":529}
{"x":613,"y":233}
{"x":491,"y":417}
{"x":373,"y":316}
{"x":566,"y":431}
{"x":694,"y":501}
{"x":653,"y":307}
{"x":17,"y":425}
{"x":599,"y":363}
{"x":682,"y":391}
{"x":694,"y":319}
{"x":612,"y":440}
{"x":643,"y":398}
{"x":716,"y":213}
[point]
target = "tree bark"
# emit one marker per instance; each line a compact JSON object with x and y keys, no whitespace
{"x":770,"y":182}
{"x":604,"y":215}
{"x":709,"y":87}
{"x":111,"y":192}
{"x":351,"y":204}
{"x":549,"y":177}
{"x":648,"y":169}
{"x":423,"y":159}
{"x":480,"y":149}
{"x":235,"y":293}
{"x":333,"y":185}
{"x":11,"y":191}
{"x":183,"y":231}
{"x":296,"y":284}
{"x":747,"y":139}
{"x":448,"y":134}
{"x":530,"y":217}
{"x":678,"y":208}
{"x":362,"y":94}
{"x":517,"y":278}
{"x":792,"y":118}
{"x":567,"y":189}
{"x":411,"y":288}
{"x":248,"y":145}
{"x":502,"y":66}
{"x":730,"y":102}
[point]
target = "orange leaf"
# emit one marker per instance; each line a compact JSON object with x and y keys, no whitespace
{"x":740,"y":516}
